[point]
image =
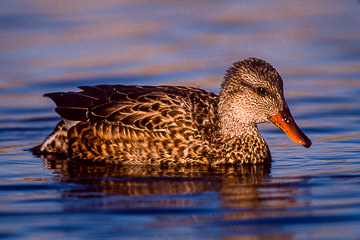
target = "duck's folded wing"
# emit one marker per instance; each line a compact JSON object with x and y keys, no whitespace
{"x":137,"y":107}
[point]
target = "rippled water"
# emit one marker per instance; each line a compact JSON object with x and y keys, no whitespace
{"x":311,"y":193}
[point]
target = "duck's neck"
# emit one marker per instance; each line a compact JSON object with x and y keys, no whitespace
{"x":238,"y":130}
{"x":236,"y":117}
{"x":234,"y":124}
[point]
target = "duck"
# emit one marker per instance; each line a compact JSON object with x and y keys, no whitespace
{"x":174,"y":125}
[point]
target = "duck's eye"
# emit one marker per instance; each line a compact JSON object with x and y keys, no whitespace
{"x":262,"y":91}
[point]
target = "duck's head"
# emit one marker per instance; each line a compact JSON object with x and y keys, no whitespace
{"x":252,"y":93}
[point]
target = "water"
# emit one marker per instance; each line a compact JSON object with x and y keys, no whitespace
{"x":306,"y":193}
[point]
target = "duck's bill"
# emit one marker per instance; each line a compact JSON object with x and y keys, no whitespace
{"x":285,"y":122}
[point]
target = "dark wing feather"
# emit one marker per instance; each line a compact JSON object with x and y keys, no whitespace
{"x":97,"y":91}
{"x":75,"y":105}
{"x":72,"y":113}
{"x":71,"y":99}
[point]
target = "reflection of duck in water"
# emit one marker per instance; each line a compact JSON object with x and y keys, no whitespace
{"x":233,"y":187}
{"x":147,"y":180}
{"x":174,"y":125}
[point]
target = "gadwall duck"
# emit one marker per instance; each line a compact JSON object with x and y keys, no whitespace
{"x":171,"y":125}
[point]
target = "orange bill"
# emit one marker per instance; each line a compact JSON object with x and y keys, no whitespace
{"x":285,"y":122}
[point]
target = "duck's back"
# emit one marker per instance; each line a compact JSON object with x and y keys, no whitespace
{"x":135,"y":124}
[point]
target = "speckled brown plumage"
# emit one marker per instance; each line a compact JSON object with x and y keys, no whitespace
{"x":171,"y":125}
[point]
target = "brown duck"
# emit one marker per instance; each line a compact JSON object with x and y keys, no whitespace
{"x":170,"y":125}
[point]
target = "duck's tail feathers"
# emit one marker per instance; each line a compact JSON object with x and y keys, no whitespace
{"x":55,"y":143}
